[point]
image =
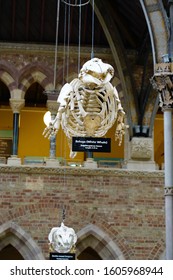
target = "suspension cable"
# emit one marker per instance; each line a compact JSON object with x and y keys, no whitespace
{"x":64,"y":52}
{"x":67,"y":19}
{"x":76,"y":3}
{"x":92,"y":47}
{"x":68,"y":41}
{"x":56,"y":42}
{"x":79,"y":46}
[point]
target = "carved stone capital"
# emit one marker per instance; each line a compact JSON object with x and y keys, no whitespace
{"x":141,"y":148}
{"x":52,"y":106}
{"x":17,"y":94}
{"x":169,"y":191}
{"x":163,"y":68}
{"x":162,"y":81}
{"x":17,"y":104}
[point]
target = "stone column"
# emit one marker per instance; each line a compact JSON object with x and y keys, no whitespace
{"x":163,"y":82}
{"x":168,"y":182}
{"x":52,"y":106}
{"x":16,"y":105}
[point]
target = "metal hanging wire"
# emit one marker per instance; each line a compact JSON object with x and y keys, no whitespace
{"x":75,"y":3}
{"x":93,"y":24}
{"x":53,"y":92}
{"x":56,"y":42}
{"x":79,"y":4}
{"x":65,"y":36}
{"x":66,"y":42}
{"x":79,"y":43}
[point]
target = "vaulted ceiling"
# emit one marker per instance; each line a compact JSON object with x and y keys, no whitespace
{"x":34,"y":21}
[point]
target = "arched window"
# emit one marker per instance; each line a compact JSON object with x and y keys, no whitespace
{"x":13,"y":239}
{"x":95,"y":244}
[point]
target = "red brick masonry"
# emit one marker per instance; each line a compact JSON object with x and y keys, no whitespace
{"x":127,"y":207}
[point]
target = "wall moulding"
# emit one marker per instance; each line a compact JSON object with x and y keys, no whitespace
{"x":80,"y":171}
{"x":32,"y":48}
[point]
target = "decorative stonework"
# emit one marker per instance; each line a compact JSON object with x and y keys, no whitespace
{"x":169,"y":191}
{"x":52,"y":106}
{"x":141,"y":148}
{"x":17,"y":104}
{"x":79,"y":171}
{"x":162,"y":81}
{"x":164,"y":68}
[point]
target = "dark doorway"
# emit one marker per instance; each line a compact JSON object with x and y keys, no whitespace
{"x":10,"y":253}
{"x":89,"y":254}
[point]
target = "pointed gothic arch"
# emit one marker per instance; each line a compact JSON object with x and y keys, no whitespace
{"x":7,"y":79}
{"x":35,"y":76}
{"x":8,"y":73}
{"x":12,"y":234}
{"x":93,"y":237}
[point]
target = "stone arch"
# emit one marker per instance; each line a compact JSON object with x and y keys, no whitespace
{"x":36,"y":76}
{"x":158,"y":251}
{"x":36,"y":73}
{"x":8,"y":74}
{"x":7,"y":79}
{"x":12,"y":234}
{"x":157,"y":23}
{"x":93,"y":237}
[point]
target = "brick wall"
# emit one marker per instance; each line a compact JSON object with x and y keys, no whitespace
{"x":125,"y":207}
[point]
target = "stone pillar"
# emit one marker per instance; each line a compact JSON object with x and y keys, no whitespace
{"x":52,"y":106}
{"x":168,"y":151}
{"x":16,"y":105}
{"x":162,"y":81}
{"x":140,"y":154}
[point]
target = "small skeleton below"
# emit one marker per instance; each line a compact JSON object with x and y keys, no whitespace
{"x":89,"y":105}
{"x":62,"y":239}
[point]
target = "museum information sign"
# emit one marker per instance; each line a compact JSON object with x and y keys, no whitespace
{"x":62,"y":256}
{"x":91,"y":144}
{"x":5,"y":147}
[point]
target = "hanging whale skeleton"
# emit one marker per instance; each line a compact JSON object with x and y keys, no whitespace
{"x":89,"y":105}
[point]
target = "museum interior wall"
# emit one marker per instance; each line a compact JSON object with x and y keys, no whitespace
{"x":117,"y":213}
{"x":32,"y":68}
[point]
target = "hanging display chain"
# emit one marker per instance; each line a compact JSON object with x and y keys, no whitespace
{"x":76,"y":3}
{"x":63,"y":214}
